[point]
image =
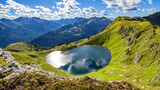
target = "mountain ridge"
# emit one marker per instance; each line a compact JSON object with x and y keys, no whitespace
{"x":64,"y":22}
{"x":28,"y":28}
{"x":69,"y":33}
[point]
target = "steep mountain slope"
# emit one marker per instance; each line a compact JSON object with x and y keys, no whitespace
{"x":69,"y":33}
{"x":155,"y":18}
{"x":9,"y":35}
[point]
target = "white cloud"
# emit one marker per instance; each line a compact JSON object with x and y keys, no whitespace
{"x":104,"y":13}
{"x":152,"y":10}
{"x":43,"y":8}
{"x":130,"y":9}
{"x":5,"y":12}
{"x":89,"y":10}
{"x":117,"y":11}
{"x":150,"y":1}
{"x":121,"y":3}
{"x":22,"y":10}
{"x":68,"y":5}
{"x":5,"y":9}
{"x":66,"y":9}
{"x":126,"y":5}
{"x":53,"y":7}
{"x":70,"y":9}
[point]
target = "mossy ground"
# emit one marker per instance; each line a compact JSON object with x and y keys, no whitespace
{"x":3,"y":62}
{"x":36,"y":81}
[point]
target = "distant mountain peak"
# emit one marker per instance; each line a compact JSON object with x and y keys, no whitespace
{"x":24,"y":29}
{"x":73,"y":32}
{"x":22,"y":18}
{"x":78,"y":18}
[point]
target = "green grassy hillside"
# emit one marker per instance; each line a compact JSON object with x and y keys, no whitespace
{"x":23,"y":47}
{"x":135,"y":48}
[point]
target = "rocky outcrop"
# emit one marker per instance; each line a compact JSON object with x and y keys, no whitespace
{"x":14,"y":68}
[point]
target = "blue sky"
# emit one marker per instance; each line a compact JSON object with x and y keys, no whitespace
{"x":57,"y":9}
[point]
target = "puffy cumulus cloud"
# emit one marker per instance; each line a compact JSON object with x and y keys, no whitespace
{"x":126,"y":5}
{"x":104,"y":13}
{"x":117,"y":11}
{"x":89,"y":10}
{"x":152,"y":10}
{"x":130,"y":9}
{"x":66,"y":9}
{"x":4,"y":9}
{"x":69,"y":5}
{"x":53,"y":7}
{"x":121,"y":3}
{"x":5,"y":12}
{"x":70,"y":9}
{"x":22,"y":10}
{"x":150,"y":1}
{"x":43,"y":8}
